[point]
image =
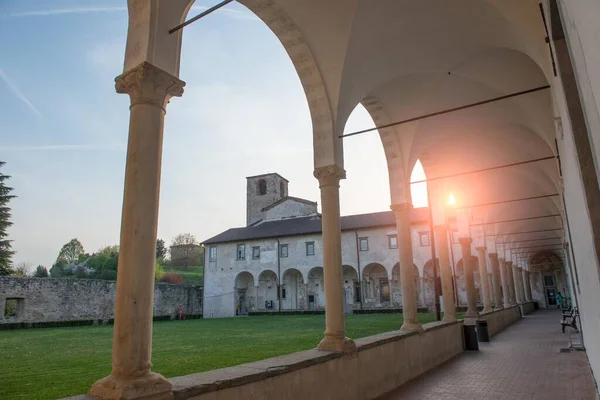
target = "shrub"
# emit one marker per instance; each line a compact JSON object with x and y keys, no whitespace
{"x":159,"y":271}
{"x":108,"y":275}
{"x":173,"y":278}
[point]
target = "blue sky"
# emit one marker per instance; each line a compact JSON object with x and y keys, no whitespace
{"x":63,"y":129}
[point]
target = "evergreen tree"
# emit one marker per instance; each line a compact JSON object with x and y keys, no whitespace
{"x":6,"y":252}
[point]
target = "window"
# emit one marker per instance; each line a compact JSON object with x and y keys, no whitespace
{"x":310,"y":248}
{"x":13,"y":307}
{"x":283,"y":251}
{"x":212,"y":253}
{"x":241,"y":252}
{"x":283,"y":291}
{"x":393,"y":241}
{"x":424,"y":239}
{"x":363,"y":244}
{"x":455,"y":237}
{"x":282,"y":189}
{"x":262,"y":187}
{"x":256,"y":253}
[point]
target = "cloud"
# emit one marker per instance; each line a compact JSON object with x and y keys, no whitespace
{"x":62,"y":11}
{"x":61,"y":147}
{"x":232,"y":13}
{"x":15,"y":89}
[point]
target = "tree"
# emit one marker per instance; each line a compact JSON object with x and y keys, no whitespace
{"x":40,"y":272}
{"x":186,"y":249}
{"x":161,"y":249}
{"x":6,"y":252}
{"x":22,"y":269}
{"x":70,"y":252}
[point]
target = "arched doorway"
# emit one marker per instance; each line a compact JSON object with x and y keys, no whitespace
{"x":292,"y":290}
{"x":429,"y":283}
{"x":315,"y":290}
{"x":376,"y":286}
{"x":267,"y":290}
{"x":245,"y":293}
{"x":351,"y":285}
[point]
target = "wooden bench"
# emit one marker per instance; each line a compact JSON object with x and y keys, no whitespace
{"x":569,"y":318}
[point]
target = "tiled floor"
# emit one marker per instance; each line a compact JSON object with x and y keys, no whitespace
{"x":522,"y":362}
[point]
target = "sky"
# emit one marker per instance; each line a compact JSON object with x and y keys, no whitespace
{"x":63,"y":128}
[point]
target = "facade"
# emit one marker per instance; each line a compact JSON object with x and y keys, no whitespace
{"x":282,"y":248}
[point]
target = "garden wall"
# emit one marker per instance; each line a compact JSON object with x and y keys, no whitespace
{"x":53,"y":300}
{"x":499,"y":319}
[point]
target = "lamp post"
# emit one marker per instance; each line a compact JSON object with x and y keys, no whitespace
{"x":462,"y":221}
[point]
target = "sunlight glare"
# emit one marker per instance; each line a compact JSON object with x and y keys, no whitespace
{"x":451,"y":200}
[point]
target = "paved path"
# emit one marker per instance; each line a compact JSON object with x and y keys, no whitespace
{"x":522,"y":362}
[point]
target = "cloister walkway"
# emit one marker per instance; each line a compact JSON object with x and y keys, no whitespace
{"x":522,"y":362}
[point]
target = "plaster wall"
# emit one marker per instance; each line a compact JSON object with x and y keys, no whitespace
{"x":289,"y":208}
{"x":220,"y":275}
{"x":46,"y":300}
{"x":500,"y":319}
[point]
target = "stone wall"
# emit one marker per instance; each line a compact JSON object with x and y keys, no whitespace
{"x":499,"y":319}
{"x":46,"y":300}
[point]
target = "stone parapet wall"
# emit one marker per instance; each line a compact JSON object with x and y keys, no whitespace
{"x":45,"y":300}
{"x":528,"y":308}
{"x":499,"y":319}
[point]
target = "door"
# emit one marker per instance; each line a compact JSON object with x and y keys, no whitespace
{"x":550,"y":290}
{"x":384,"y":291}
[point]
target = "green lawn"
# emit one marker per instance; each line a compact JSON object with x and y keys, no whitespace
{"x":57,"y":362}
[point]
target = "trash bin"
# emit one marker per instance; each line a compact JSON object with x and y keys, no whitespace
{"x":482,"y":331}
{"x":470,"y":334}
{"x":536,"y":305}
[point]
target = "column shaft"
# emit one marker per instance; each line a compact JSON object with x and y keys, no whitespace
{"x":504,"y":276}
{"x":511,"y":283}
{"x":496,"y":280}
{"x":469,"y":267}
{"x":149,"y":89}
{"x":517,"y":279}
{"x":529,"y":285}
{"x":407,"y":278}
{"x":441,"y":247}
{"x":485,"y":283}
{"x":329,"y":183}
{"x":524,"y":283}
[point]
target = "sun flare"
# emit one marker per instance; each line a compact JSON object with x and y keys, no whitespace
{"x":451,"y":200}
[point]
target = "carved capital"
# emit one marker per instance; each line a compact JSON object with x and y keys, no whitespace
{"x":330,"y":175}
{"x":481,"y":249}
{"x":509,"y":263}
{"x":493,"y":256}
{"x":147,"y":84}
{"x":401,"y":211}
{"x":465,"y":241}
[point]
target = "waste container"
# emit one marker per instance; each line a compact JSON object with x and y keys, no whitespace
{"x":470,"y":334}
{"x":536,"y":305}
{"x":482,"y":331}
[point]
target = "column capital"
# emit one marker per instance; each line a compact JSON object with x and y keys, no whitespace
{"x":465,"y":241}
{"x":401,"y":207}
{"x":329,"y":175}
{"x":509,"y":263}
{"x":147,"y":84}
{"x":481,"y":248}
{"x":493,"y":256}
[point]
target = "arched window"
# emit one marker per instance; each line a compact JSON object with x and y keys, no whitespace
{"x":262,"y":187}
{"x":282,"y":189}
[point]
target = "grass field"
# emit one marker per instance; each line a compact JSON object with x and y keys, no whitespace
{"x":58,"y":362}
{"x":191,"y":276}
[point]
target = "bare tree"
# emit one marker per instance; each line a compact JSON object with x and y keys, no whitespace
{"x":184,"y":247}
{"x":23,"y":269}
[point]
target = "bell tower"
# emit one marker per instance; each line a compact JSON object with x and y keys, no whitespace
{"x":262,"y":191}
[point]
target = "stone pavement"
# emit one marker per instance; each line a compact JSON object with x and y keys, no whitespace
{"x":522,"y":362}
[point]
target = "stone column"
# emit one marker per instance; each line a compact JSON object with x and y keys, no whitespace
{"x":469,"y":267}
{"x":441,"y":248}
{"x":335,"y":331}
{"x":511,"y":283}
{"x":421,"y":292}
{"x":149,"y":89}
{"x":528,"y":286}
{"x":517,"y":279}
{"x":524,"y":283}
{"x":505,"y":282}
{"x":485,"y":283}
{"x":407,"y":278}
{"x":496,"y":280}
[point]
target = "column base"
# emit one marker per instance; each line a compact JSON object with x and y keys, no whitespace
{"x":410,"y":326}
{"x":487,"y":310}
{"x":150,"y":387}
{"x":337,"y":344}
{"x":449,"y":318}
{"x":472,"y":314}
{"x":499,"y":307}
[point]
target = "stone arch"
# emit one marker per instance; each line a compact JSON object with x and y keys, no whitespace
{"x":267,"y":298}
{"x":315,"y":289}
{"x":293,"y":290}
{"x":261,"y":187}
{"x":352,"y":290}
{"x":328,"y":147}
{"x":376,"y":285}
{"x":244,"y":293}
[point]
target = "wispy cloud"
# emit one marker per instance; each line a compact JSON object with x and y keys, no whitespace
{"x":62,"y":11}
{"x":17,"y":92}
{"x":232,"y":13}
{"x":60,"y":147}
